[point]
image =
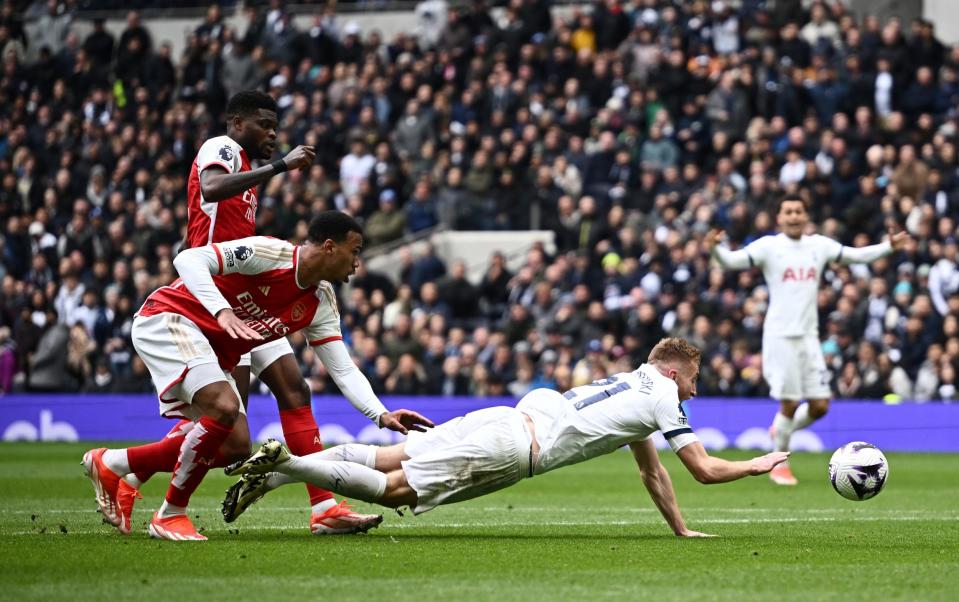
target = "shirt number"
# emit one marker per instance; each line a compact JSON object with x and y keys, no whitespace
{"x":605,"y":394}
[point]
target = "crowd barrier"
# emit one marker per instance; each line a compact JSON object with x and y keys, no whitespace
{"x":721,"y":423}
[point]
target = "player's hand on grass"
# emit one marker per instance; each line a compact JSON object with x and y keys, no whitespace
{"x":235,"y":327}
{"x":712,"y":239}
{"x":898,"y":240}
{"x":404,"y":421}
{"x":764,"y":464}
{"x":299,"y":157}
{"x":691,"y":533}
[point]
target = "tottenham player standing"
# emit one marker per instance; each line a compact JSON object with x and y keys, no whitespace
{"x":494,"y":448}
{"x":793,"y":365}
{"x":222,"y":206}
{"x":232,"y":297}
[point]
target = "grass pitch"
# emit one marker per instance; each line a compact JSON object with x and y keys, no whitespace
{"x":588,"y":532}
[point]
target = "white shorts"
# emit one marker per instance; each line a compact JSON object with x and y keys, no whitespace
{"x":482,"y":452}
{"x":180,"y":360}
{"x":794,"y":368}
{"x":260,"y":358}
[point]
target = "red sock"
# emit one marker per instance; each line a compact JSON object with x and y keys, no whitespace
{"x":161,"y":456}
{"x":145,"y":460}
{"x":197,"y":456}
{"x":303,"y":438}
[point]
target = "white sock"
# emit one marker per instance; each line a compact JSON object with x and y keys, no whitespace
{"x":345,"y":478}
{"x":783,"y":427}
{"x":277,"y":479}
{"x":116,"y":460}
{"x":132,"y":480}
{"x":802,"y":419}
{"x":350,"y":452}
{"x":167,"y":509}
{"x":321,"y":507}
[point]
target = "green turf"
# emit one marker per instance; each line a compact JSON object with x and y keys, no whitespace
{"x":583,"y":533}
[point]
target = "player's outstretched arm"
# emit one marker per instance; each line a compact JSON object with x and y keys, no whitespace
{"x":354,"y":385}
{"x":707,"y":470}
{"x":217,"y":184}
{"x":196,"y":268}
{"x":897,"y":241}
{"x":660,"y":487}
{"x":732,"y":260}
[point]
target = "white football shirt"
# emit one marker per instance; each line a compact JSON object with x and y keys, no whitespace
{"x":597,"y":418}
{"x":792,"y":269}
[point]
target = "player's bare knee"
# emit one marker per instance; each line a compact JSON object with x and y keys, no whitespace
{"x":818,"y":408}
{"x":788,"y":408}
{"x":218,"y":401}
{"x":226,"y":408}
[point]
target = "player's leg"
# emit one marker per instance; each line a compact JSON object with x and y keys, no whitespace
{"x":782,"y":374}
{"x":782,"y":369}
{"x":215,"y":402}
{"x":237,"y":445}
{"x":293,"y":396}
{"x":276,"y":366}
{"x":810,"y":412}
{"x":252,"y":487}
{"x":325,"y":469}
{"x":385,"y":459}
{"x":467,"y":457}
{"x":139,"y":463}
{"x":273,"y":466}
{"x":782,"y":427}
{"x":815,"y":385}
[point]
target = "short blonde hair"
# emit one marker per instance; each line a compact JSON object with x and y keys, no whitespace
{"x":674,"y":349}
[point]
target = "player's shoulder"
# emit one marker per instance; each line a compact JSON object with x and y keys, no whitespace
{"x":327,"y":310}
{"x":659,"y":385}
{"x":266,"y":247}
{"x":226,"y":148}
{"x":326,"y":291}
{"x":820,"y":240}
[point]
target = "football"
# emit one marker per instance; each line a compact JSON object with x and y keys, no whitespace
{"x":858,"y":471}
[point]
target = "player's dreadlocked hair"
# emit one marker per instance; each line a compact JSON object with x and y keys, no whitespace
{"x":332,"y":225}
{"x":248,"y":102}
{"x":674,"y":349}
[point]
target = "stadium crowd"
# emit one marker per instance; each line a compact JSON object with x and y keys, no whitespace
{"x":628,"y":128}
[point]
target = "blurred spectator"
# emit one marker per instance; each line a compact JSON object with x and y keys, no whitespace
{"x":387,"y":223}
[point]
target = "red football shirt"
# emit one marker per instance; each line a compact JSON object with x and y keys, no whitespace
{"x":229,"y":219}
{"x":257,"y":277}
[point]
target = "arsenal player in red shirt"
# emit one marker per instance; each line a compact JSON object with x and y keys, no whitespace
{"x":232,"y":297}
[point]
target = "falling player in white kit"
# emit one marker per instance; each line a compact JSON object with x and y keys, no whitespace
{"x":792,"y":263}
{"x":493,"y":448}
